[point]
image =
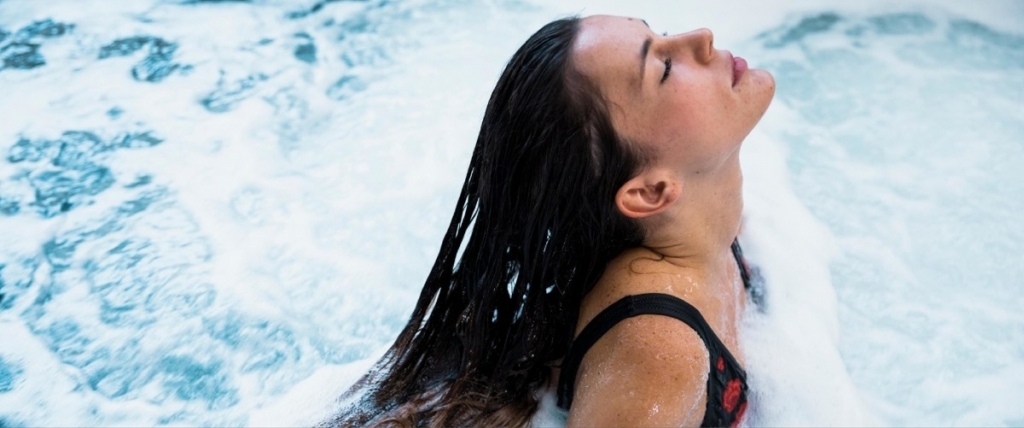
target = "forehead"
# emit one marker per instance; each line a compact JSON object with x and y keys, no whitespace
{"x":607,"y":50}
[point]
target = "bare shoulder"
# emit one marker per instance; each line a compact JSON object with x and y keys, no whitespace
{"x":635,"y":271}
{"x":652,"y":369}
{"x":649,"y":370}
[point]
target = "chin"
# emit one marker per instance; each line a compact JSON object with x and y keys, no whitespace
{"x":765,"y":80}
{"x":763,"y":84}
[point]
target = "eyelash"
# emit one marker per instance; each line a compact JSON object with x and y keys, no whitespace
{"x":668,"y":63}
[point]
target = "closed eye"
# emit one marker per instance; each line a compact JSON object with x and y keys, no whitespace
{"x":668,"y":68}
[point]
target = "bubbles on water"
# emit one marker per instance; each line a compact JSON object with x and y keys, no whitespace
{"x":9,"y":205}
{"x":46,"y":28}
{"x":125,"y":46}
{"x":155,"y":66}
{"x":74,"y":171}
{"x":58,"y":192}
{"x":200,"y":2}
{"x":9,"y":375}
{"x":230,"y":92}
{"x":269,"y":348}
{"x":98,"y":284}
{"x":345,"y":87}
{"x":807,"y":26}
{"x":902,"y":23}
{"x":186,"y":302}
{"x":193,"y":380}
{"x":250,"y":205}
{"x":22,"y":50}
{"x":306,"y":50}
{"x":15,"y":279}
{"x":22,"y":56}
{"x":118,"y":288}
{"x":32,"y":151}
{"x":908,"y":148}
{"x":10,"y":423}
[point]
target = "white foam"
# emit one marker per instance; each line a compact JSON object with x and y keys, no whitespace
{"x":323,"y":216}
{"x":791,"y":349}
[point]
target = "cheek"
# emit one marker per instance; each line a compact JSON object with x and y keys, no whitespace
{"x":698,"y":118}
{"x":694,"y":122}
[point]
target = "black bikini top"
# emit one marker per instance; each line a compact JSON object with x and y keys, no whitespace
{"x":727,"y":383}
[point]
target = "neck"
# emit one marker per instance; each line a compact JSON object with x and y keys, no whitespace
{"x":703,"y":222}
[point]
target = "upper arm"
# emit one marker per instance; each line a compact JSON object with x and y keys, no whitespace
{"x":649,"y":370}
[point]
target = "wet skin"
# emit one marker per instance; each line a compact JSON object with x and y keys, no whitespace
{"x":689,"y":106}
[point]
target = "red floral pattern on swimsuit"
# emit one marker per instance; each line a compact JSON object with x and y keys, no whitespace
{"x":739,"y":414}
{"x":731,"y":395}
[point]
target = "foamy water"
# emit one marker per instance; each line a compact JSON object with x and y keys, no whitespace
{"x":219,"y":213}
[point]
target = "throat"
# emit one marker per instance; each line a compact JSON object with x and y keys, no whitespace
{"x":701,"y":233}
{"x":705,"y":219}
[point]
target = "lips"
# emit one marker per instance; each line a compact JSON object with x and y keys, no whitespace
{"x":739,"y":68}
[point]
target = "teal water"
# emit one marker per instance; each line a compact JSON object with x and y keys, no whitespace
{"x":218,"y":212}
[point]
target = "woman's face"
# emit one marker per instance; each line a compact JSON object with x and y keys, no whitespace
{"x":690,"y":104}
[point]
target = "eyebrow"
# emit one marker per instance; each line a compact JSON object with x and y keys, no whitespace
{"x":644,"y":50}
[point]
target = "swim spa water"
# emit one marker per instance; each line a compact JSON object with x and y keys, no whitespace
{"x":907,"y":142}
{"x":218,"y":212}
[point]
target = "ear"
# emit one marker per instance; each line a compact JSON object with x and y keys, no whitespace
{"x":647,"y":194}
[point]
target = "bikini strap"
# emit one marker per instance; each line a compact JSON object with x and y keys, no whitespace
{"x":628,"y":307}
{"x":737,"y":252}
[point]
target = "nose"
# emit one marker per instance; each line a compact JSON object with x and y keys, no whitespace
{"x":700,"y":42}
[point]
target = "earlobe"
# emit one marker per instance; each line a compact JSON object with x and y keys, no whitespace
{"x":646,"y":195}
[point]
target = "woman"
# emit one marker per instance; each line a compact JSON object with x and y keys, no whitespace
{"x":605,"y":180}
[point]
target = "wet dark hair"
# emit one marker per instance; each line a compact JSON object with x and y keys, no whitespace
{"x":536,"y":223}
